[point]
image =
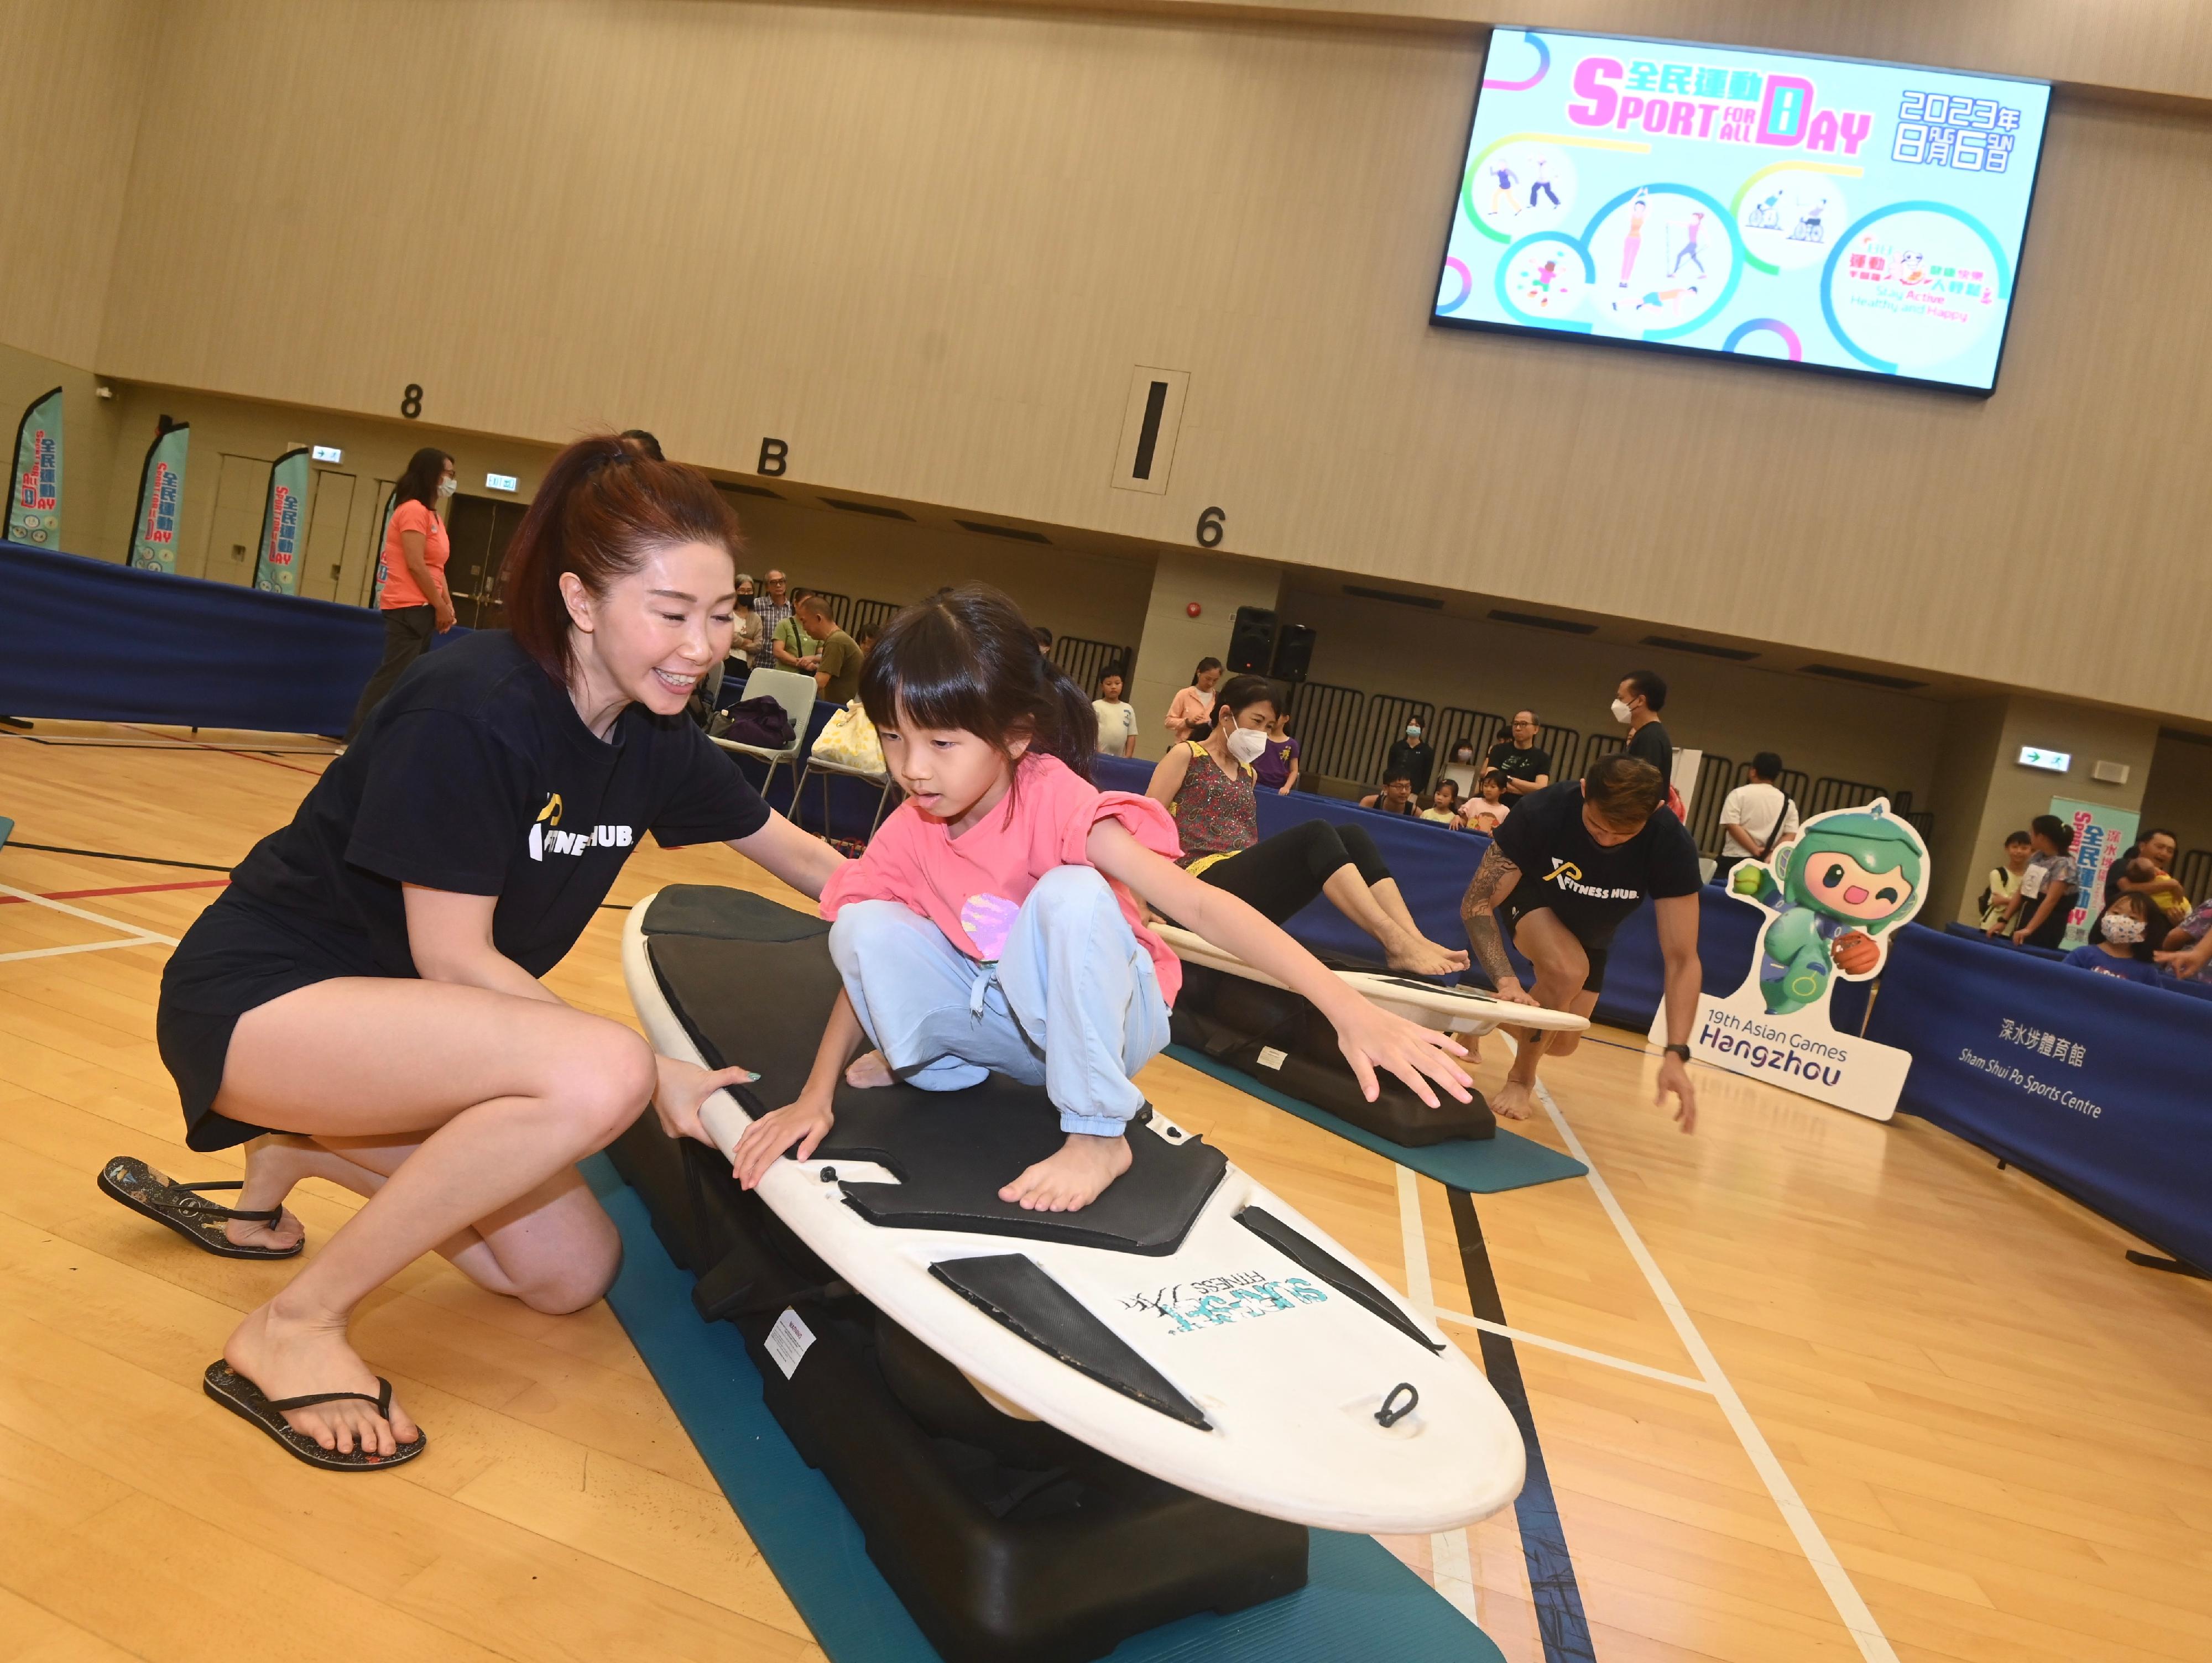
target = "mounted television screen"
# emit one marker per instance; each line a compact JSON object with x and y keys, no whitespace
{"x":1854,"y":217}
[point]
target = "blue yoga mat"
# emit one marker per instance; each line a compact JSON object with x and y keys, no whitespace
{"x":1480,"y":1165}
{"x":1360,"y":1602}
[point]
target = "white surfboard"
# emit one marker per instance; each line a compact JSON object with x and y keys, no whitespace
{"x":1448,"y":1010}
{"x":1287,"y":1372}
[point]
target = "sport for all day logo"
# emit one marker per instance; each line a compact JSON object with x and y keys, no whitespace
{"x":284,"y":536}
{"x":39,"y":486}
{"x":161,"y":508}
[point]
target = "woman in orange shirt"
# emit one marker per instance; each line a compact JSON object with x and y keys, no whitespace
{"x":414,"y":599}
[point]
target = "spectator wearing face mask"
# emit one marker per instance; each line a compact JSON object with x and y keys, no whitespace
{"x":1461,"y":769}
{"x":414,"y":600}
{"x":2125,"y":949}
{"x":1637,"y":703}
{"x":1412,"y":754}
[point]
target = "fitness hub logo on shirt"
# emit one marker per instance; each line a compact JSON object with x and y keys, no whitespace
{"x":546,"y":837}
{"x":1568,"y":876}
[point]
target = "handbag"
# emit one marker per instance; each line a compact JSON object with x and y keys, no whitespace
{"x":849,"y":740}
{"x":761,"y":723}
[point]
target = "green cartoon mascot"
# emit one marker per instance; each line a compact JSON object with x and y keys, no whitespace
{"x":1851,"y":875}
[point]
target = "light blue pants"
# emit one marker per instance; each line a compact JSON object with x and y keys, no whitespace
{"x":1073,"y":1003}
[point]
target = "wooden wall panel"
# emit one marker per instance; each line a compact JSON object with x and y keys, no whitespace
{"x":928,"y":247}
{"x":70,"y":80}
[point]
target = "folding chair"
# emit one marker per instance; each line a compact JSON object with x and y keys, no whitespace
{"x":795,"y":693}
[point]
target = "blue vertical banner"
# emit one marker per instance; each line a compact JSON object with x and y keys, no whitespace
{"x":34,"y":497}
{"x":161,"y":500}
{"x":284,"y":526}
{"x":2101,"y":833}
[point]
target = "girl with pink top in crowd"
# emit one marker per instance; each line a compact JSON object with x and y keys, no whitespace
{"x":1192,"y":708}
{"x":993,"y":926}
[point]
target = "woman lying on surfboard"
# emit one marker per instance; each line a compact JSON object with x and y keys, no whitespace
{"x":993,"y":923}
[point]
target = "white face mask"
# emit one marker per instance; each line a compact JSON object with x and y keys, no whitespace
{"x":1246,"y":744}
{"x":2121,"y":930}
{"x":446,"y":487}
{"x":1621,"y":710}
{"x":1412,"y":733}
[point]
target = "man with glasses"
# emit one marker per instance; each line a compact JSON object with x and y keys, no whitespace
{"x":1525,"y":765}
{"x":772,"y":608}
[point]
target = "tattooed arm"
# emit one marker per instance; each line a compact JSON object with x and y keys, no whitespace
{"x":1493,"y":882}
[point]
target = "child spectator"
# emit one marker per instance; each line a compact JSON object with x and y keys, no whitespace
{"x":1444,"y":805}
{"x":1117,"y":720}
{"x":2004,"y":882}
{"x":2036,"y":915}
{"x":1489,"y":808}
{"x":2123,"y":951}
{"x":1277,"y":766}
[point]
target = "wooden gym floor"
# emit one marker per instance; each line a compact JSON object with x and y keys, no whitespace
{"x":1807,"y":1388}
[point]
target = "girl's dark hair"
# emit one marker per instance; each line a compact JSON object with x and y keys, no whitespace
{"x":1204,"y":664}
{"x":1239,"y":692}
{"x":2057,"y":831}
{"x":602,"y":505}
{"x":419,"y":483}
{"x":966,"y":659}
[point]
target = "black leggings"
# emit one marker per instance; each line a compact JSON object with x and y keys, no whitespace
{"x":1279,"y":875}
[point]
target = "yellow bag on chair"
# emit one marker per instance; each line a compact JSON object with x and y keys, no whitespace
{"x":848,"y":741}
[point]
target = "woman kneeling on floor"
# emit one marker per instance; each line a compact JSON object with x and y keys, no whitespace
{"x":363,"y":1004}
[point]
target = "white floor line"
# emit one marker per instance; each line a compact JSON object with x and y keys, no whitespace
{"x":1450,"y":1561}
{"x":143,"y":934}
{"x":1873,"y":1644}
{"x":1524,"y":1337}
{"x":83,"y":947}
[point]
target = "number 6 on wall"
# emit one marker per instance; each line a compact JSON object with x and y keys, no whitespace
{"x":1210,"y":526}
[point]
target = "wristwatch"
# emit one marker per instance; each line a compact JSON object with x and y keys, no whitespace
{"x":1681,"y":1051}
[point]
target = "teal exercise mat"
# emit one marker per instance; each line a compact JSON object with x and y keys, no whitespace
{"x":1481,"y":1166}
{"x":1360,"y":1602}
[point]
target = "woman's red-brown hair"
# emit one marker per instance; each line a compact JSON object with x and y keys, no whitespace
{"x":603,"y":504}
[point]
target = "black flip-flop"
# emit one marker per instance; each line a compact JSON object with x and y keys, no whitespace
{"x":242,"y":1397}
{"x":142,"y":1189}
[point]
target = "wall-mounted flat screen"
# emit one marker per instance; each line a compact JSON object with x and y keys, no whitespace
{"x":1852,"y":216}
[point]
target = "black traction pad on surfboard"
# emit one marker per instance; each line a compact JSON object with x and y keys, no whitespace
{"x":752,"y":983}
{"x":1019,"y":1293}
{"x":1278,"y":1037}
{"x":1311,"y":1256}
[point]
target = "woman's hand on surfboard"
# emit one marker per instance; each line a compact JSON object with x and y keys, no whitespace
{"x":681,"y":1089}
{"x":805,"y":1123}
{"x":1372,"y":1039}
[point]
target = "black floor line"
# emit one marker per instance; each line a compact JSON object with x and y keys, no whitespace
{"x":105,"y":854}
{"x":172,"y":746}
{"x":1551,"y":1583}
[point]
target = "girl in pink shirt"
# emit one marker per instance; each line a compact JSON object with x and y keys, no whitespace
{"x":993,"y":926}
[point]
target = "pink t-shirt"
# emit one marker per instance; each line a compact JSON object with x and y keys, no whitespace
{"x":971,"y":886}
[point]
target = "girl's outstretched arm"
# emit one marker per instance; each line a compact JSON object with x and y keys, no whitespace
{"x":807,"y":1121}
{"x":1369,"y":1038}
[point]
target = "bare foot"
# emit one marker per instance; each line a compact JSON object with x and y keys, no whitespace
{"x":1513,"y":1099}
{"x":1419,"y":955}
{"x":868,"y":1071}
{"x":293,"y":1357}
{"x":1074,"y":1178}
{"x":274,"y":1163}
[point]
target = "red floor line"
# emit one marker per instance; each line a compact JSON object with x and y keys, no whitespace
{"x":221,"y":751}
{"x":121,"y":889}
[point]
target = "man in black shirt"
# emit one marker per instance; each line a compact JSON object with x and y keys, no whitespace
{"x":1638,"y":701}
{"x":1525,"y":765}
{"x":1563,"y":871}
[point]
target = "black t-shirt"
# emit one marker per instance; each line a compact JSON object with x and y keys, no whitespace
{"x":477,"y":775}
{"x":1515,"y":763}
{"x":1591,"y":887}
{"x":1649,"y":743}
{"x":1416,"y":761}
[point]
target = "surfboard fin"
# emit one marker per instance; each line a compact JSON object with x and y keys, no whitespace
{"x":1312,"y":1257}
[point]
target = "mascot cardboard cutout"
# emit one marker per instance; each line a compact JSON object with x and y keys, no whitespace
{"x":1833,"y":897}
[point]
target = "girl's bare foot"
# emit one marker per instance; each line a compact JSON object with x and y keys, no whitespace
{"x":1513,"y":1099}
{"x":1419,"y":955}
{"x":1073,"y":1178}
{"x":869,"y":1071}
{"x":290,"y":1357}
{"x":274,"y":1163}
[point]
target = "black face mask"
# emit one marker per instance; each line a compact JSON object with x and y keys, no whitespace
{"x":745,"y":602}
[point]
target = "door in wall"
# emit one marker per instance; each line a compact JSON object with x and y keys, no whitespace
{"x":241,"y":493}
{"x":479,"y":528}
{"x":361,"y":587}
{"x":329,"y":510}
